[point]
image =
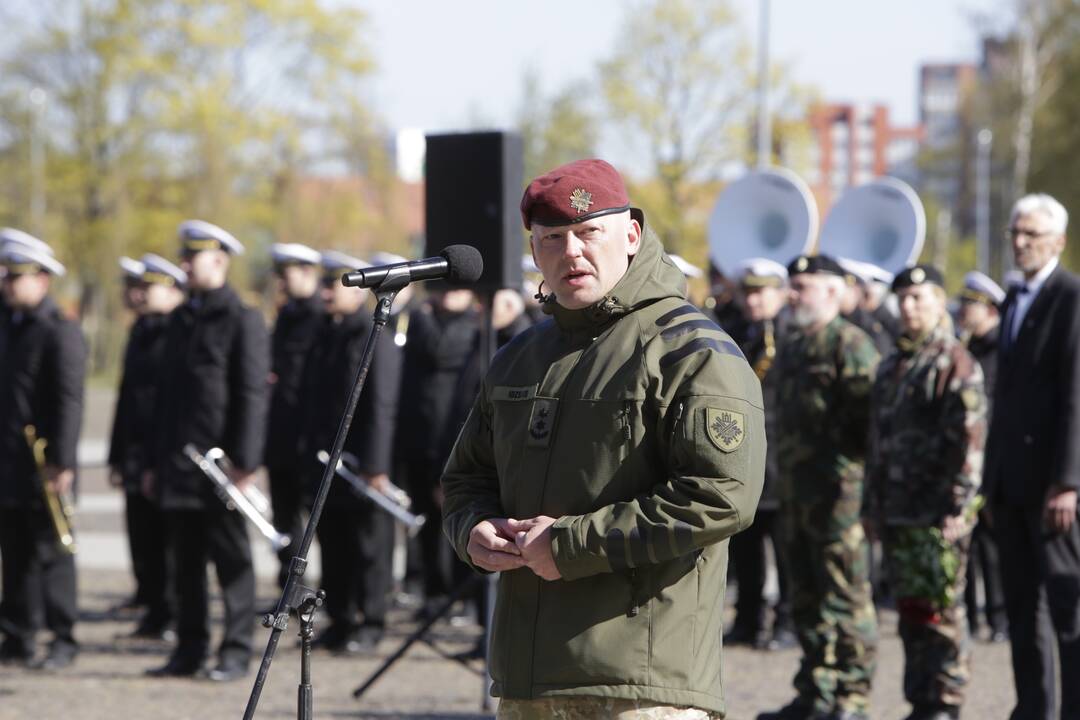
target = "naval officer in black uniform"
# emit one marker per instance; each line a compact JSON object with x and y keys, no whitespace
{"x":42,"y":371}
{"x":214,"y":393}
{"x":159,"y":291}
{"x":298,"y":270}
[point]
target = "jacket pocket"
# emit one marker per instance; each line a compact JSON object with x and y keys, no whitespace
{"x":585,"y":634}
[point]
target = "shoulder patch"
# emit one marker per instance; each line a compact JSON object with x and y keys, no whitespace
{"x":726,"y":428}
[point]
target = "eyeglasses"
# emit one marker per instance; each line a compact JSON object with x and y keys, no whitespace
{"x":1015,"y":232}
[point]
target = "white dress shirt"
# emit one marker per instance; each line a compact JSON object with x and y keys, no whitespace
{"x":1024,"y":299}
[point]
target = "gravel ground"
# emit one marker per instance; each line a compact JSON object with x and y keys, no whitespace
{"x":108,"y":678}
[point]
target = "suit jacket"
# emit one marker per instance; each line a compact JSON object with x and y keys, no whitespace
{"x":1034,"y":440}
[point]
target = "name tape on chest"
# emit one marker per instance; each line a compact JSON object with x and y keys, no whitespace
{"x":508,"y":393}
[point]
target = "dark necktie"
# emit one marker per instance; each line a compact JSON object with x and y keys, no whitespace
{"x":1013,"y":328}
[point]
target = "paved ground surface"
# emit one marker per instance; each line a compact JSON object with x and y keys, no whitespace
{"x":108,"y":682}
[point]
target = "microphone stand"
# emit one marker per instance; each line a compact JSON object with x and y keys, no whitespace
{"x":296,"y":597}
{"x":489,"y":586}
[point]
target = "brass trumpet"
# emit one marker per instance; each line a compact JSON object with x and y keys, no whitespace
{"x":58,"y":504}
{"x":395,"y":501}
{"x":232,"y":496}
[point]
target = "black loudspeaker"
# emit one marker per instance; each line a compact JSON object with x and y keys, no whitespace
{"x":472,"y":194}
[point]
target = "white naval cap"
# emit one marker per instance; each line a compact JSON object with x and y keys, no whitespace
{"x":131,"y":268}
{"x":196,"y":235}
{"x":865,"y":272}
{"x":24,"y":259}
{"x":294,"y":254}
{"x":686,"y":268}
{"x":1013,"y":277}
{"x":386,"y":258}
{"x":335,"y":261}
{"x":761,"y":272}
{"x":160,"y":271}
{"x":980,"y":288}
{"x":528,"y":264}
{"x":13,"y":235}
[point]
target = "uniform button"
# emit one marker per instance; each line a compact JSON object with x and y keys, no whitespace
{"x":1028,"y":440}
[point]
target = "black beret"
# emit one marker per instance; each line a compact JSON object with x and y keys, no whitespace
{"x":918,"y":275}
{"x":814,"y":264}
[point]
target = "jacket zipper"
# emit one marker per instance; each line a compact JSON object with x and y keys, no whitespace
{"x":675,"y":425}
{"x":632,"y":611}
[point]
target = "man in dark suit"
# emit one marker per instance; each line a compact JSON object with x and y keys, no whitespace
{"x":1033,"y":463}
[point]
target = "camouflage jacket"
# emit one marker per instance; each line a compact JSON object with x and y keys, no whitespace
{"x":823,"y":383}
{"x":927,"y":433}
{"x":639,"y":425}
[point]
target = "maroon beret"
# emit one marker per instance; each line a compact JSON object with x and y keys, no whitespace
{"x":573,"y":193}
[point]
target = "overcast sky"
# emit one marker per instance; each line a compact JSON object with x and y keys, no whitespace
{"x":443,"y":64}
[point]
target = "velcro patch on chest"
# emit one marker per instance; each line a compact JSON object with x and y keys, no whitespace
{"x":726,"y":428}
{"x":542,"y":421}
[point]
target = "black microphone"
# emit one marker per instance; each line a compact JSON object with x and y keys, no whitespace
{"x":457,"y":263}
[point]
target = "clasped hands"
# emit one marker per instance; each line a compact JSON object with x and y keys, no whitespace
{"x":500,"y":544}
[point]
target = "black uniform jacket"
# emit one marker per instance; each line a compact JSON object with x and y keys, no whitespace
{"x":132,"y":444}
{"x":754,"y":348}
{"x":985,"y":350}
{"x":298,"y":324}
{"x":1033,"y":433}
{"x":42,"y":370}
{"x":214,"y":393}
{"x":440,"y":347}
{"x":329,"y":374}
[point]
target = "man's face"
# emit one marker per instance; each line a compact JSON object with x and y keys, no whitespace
{"x":975,"y":315}
{"x":1034,"y":243}
{"x":814,"y":299}
{"x":299,"y":281}
{"x":134,"y":295}
{"x":581,"y":263}
{"x":206,"y":269}
{"x":921,"y":308}
{"x":162,"y":298}
{"x":763,"y":303}
{"x":25,"y":290}
{"x":339,"y":299}
{"x":852,"y":297}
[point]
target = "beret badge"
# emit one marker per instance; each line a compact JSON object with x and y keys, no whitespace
{"x":580,"y":200}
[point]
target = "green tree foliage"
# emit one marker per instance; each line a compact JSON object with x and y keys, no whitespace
{"x":160,"y":110}
{"x":682,"y":91}
{"x":556,"y":129}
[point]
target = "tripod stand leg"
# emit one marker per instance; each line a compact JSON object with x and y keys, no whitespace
{"x":460,"y":590}
{"x":491,"y":585}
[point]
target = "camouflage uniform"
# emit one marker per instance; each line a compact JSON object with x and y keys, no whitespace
{"x":927,"y":437}
{"x":823,"y":390}
{"x":593,"y":708}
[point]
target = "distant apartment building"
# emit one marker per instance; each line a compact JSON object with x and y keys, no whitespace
{"x":853,"y":144}
{"x":944,"y":111}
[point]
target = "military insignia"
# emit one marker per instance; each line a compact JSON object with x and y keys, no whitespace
{"x":725,"y":428}
{"x":542,"y":421}
{"x":802,"y":264}
{"x":580,"y":200}
{"x":918,"y":275}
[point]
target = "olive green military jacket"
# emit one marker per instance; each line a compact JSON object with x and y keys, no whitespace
{"x":639,"y":425}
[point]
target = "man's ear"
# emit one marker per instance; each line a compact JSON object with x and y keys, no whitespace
{"x":633,"y":237}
